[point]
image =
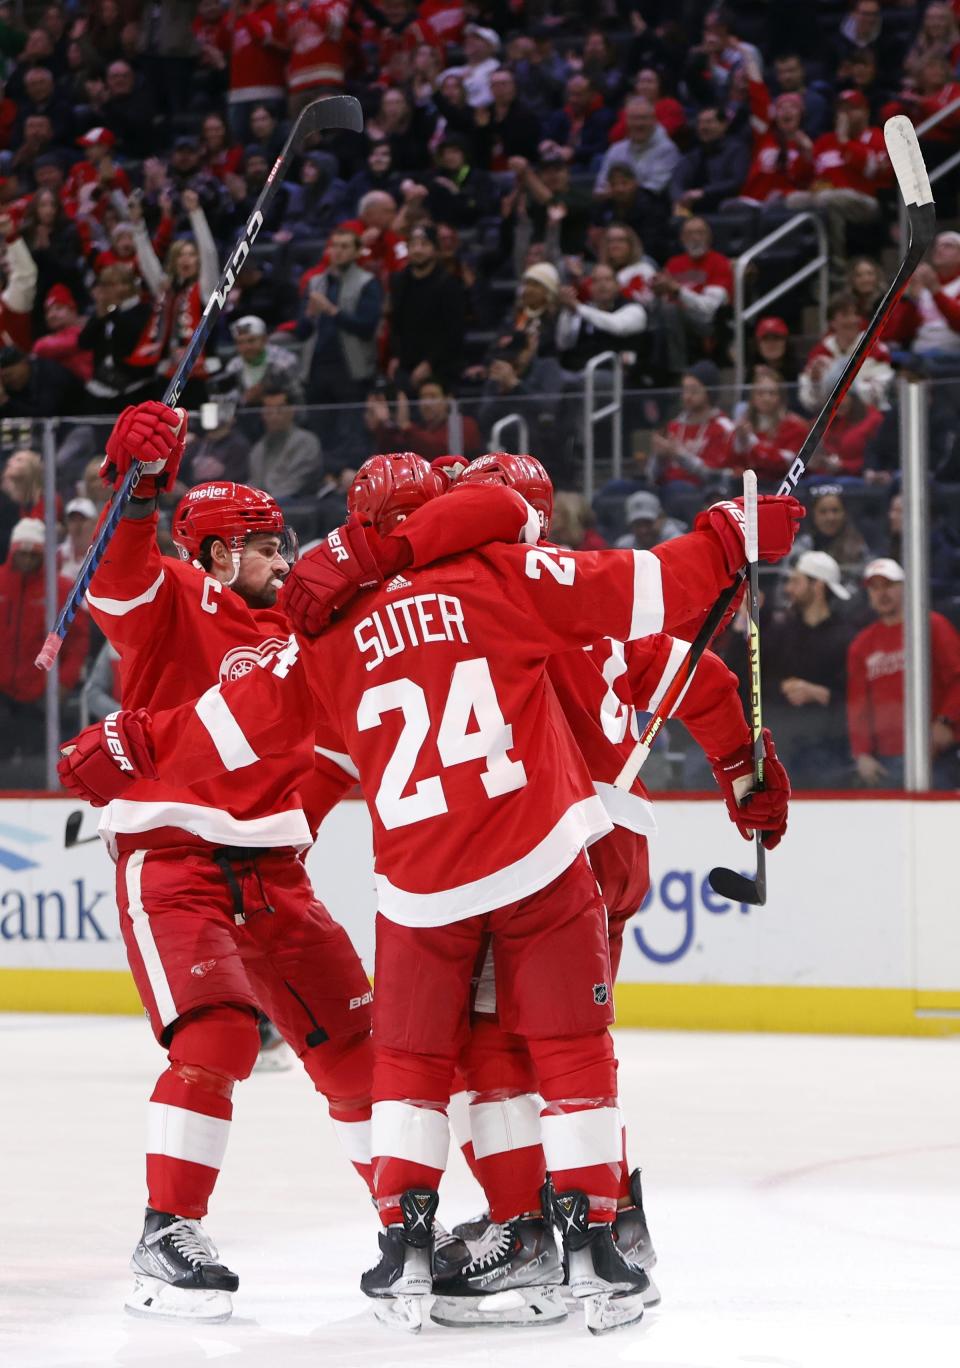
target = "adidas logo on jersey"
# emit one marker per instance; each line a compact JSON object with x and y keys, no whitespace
{"x":398,"y":582}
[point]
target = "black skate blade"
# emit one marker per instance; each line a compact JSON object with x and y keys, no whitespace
{"x":737,"y":887}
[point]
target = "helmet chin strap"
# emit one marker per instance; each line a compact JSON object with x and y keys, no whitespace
{"x":235,"y":557}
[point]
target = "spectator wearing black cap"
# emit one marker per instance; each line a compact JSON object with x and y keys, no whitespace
{"x":713,"y":170}
{"x":339,"y":320}
{"x":35,"y":387}
{"x":186,"y":171}
{"x":426,"y":316}
{"x":457,"y":192}
{"x":257,"y":366}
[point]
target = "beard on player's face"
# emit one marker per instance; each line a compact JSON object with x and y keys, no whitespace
{"x":261,"y":573}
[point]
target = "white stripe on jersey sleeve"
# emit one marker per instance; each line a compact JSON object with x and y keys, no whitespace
{"x":118,"y":607}
{"x":678,"y":651}
{"x":343,"y":761}
{"x":647,"y":618}
{"x":224,"y":730}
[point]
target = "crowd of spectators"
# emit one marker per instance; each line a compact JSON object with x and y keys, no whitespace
{"x":535,"y":185}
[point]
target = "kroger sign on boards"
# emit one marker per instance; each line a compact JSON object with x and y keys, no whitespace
{"x":853,"y":908}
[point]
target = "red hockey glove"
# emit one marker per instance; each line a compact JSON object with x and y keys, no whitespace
{"x":107,"y":757}
{"x":153,"y":434}
{"x":778,"y":518}
{"x":450,"y":468}
{"x":353,"y":557}
{"x":758,"y":809}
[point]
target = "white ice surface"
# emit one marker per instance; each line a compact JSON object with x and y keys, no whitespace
{"x":803,"y":1194}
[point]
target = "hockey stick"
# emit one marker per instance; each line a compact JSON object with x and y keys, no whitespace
{"x":336,"y":111}
{"x":728,"y":882}
{"x":71,"y":832}
{"x":914,"y":184}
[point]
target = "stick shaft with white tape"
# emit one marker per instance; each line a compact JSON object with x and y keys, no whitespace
{"x":914,"y":184}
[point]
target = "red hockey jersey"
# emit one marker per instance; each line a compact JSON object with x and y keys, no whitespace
{"x":435,"y":685}
{"x":855,"y":164}
{"x":317,"y":49}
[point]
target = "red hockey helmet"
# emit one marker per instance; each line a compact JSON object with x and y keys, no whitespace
{"x":525,"y":474}
{"x":387,"y":489}
{"x":231,"y":512}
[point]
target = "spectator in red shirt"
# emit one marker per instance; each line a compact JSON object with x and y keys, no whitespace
{"x":935,"y":91}
{"x":382,"y":251}
{"x":845,"y":442}
{"x":23,"y":627}
{"x":782,"y":157}
{"x":695,"y":446}
{"x":766,"y":435}
{"x":221,"y":157}
{"x":850,"y":165}
{"x":92,"y":181}
{"x":928,"y":317}
{"x":670,"y":113}
{"x":429,"y":433}
{"x":699,"y":283}
{"x":254,"y":34}
{"x":772,"y":348}
{"x":875,"y":687}
{"x":65,"y":325}
{"x":317,"y":61}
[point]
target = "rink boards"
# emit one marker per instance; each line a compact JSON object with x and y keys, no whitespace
{"x":860,"y":932}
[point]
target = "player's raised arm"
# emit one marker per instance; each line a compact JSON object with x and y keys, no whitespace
{"x":133,"y":574}
{"x":580,"y":596}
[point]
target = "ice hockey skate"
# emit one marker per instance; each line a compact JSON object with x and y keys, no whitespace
{"x":450,"y":1252}
{"x":177,"y":1272}
{"x":403,"y":1277}
{"x":633,"y":1238}
{"x":513,"y":1280}
{"x":597,"y":1274}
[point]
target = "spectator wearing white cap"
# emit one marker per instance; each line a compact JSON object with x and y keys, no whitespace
{"x":81,"y":519}
{"x":649,"y":525}
{"x":23,"y":627}
{"x":804,"y":673}
{"x":257,"y":365}
{"x":481,"y":47}
{"x":875,"y":687}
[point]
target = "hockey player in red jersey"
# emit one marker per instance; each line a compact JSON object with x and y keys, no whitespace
{"x":435,"y":686}
{"x":600,"y":690}
{"x":216,"y":911}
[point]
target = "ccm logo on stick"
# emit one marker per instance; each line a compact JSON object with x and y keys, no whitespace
{"x":114,"y":744}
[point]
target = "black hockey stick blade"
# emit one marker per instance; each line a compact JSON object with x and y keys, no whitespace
{"x":72,"y":829}
{"x":737,"y":887}
{"x":332,"y":112}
